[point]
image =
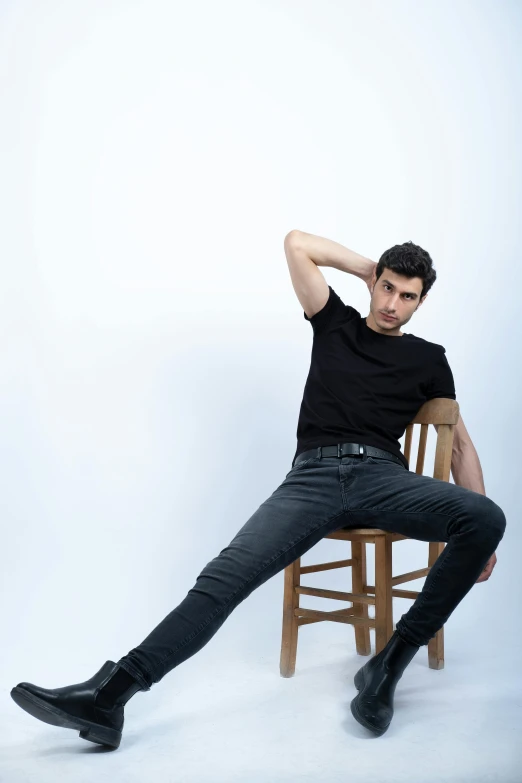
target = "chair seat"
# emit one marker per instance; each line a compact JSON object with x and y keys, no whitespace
{"x":360,"y":533}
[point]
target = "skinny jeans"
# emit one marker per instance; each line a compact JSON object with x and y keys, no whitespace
{"x":318,"y":496}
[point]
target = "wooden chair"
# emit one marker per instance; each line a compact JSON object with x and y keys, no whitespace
{"x":441,"y":412}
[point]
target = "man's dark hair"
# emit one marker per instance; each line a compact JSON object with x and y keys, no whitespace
{"x":409,"y":260}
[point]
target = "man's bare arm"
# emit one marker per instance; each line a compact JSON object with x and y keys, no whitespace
{"x":466,"y":469}
{"x":467,"y":472}
{"x":465,"y":464}
{"x":305,"y":253}
{"x":326,"y":252}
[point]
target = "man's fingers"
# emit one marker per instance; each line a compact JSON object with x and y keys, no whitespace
{"x":488,"y":568}
{"x":486,"y":573}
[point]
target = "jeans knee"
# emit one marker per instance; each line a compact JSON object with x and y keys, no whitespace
{"x":493,"y":522}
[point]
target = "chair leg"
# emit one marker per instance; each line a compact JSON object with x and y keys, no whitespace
{"x":290,"y":623}
{"x":362,"y":632}
{"x":436,"y":644}
{"x":383,"y":592}
{"x":436,"y":650}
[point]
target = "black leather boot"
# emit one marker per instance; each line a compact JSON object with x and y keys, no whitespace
{"x":94,"y":708}
{"x":376,"y":683}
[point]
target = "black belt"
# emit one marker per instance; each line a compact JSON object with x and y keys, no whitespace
{"x":346,"y":450}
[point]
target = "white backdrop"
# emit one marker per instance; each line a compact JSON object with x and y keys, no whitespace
{"x":153,"y":157}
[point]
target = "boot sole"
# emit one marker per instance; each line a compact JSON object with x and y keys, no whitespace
{"x":359,"y":683}
{"x":93,"y":732}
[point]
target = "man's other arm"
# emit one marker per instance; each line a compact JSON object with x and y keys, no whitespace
{"x":465,"y":464}
{"x":467,"y":472}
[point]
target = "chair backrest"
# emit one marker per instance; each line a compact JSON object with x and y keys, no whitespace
{"x":445,"y":414}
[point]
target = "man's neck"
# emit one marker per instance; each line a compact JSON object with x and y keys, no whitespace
{"x":370,"y":323}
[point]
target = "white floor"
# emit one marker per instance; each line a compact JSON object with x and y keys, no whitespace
{"x":244,"y":722}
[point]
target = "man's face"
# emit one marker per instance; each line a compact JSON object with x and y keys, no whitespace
{"x":394,"y":295}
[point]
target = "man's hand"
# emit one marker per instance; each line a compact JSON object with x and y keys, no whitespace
{"x":488,"y":568}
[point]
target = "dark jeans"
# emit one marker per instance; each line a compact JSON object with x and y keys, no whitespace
{"x":318,"y":496}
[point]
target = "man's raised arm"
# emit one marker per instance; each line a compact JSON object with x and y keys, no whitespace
{"x":305,"y":253}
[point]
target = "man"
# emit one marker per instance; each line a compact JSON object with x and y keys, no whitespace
{"x":366,"y":382}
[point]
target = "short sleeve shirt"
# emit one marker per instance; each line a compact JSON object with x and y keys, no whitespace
{"x":364,"y":386}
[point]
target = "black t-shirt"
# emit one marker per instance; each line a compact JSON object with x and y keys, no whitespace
{"x":364,"y":386}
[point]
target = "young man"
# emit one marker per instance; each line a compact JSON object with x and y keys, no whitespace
{"x":367,"y":380}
